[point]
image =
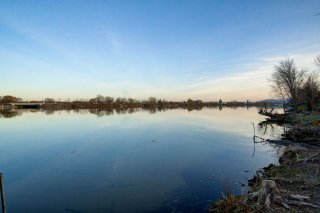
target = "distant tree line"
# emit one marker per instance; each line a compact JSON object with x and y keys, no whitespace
{"x":108,"y":102}
{"x":101,"y":101}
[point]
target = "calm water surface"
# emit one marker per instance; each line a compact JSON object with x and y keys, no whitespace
{"x":172,"y":161}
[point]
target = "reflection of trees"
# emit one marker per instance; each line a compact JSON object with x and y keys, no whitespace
{"x":49,"y":112}
{"x":152,"y":110}
{"x":133,"y":110}
{"x":191,"y":108}
{"x":97,"y":112}
{"x":269,"y":127}
{"x":83,"y":111}
{"x":10,"y":114}
{"x":265,"y":127}
{"x":121,"y":111}
{"x":76,"y":111}
{"x":106,"y":112}
{"x":101,"y":113}
{"x":272,"y":128}
{"x":161,"y":109}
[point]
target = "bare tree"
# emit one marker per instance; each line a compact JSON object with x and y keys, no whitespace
{"x":131,"y":102}
{"x":108,"y":100}
{"x":287,"y":81}
{"x":9,"y":99}
{"x":99,"y":98}
{"x":120,"y":100}
{"x":311,"y":90}
{"x":152,"y":101}
{"x":49,"y":100}
{"x":317,"y":61}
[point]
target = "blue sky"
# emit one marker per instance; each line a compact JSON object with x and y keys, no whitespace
{"x":168,"y":49}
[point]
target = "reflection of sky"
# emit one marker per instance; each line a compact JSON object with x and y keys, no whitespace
{"x":130,"y":162}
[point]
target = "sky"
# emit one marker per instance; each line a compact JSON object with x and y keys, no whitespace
{"x":170,"y":49}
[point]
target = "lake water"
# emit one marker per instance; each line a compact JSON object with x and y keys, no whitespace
{"x":169,"y":161}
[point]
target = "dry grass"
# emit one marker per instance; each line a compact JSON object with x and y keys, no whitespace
{"x":231,"y":203}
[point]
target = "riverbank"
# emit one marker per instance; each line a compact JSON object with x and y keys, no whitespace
{"x":190,"y":105}
{"x":291,"y":186}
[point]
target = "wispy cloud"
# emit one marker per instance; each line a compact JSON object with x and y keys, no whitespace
{"x":117,"y":46}
{"x":113,"y":38}
{"x":52,"y":43}
{"x":249,"y":82}
{"x":171,"y":58}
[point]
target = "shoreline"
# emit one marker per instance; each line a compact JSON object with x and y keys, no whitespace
{"x":291,"y":186}
{"x":123,"y":103}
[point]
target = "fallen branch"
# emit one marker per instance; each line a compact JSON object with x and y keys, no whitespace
{"x":299,"y":197}
{"x":300,"y":204}
{"x":311,"y":158}
{"x":287,"y":181}
{"x":285,"y":205}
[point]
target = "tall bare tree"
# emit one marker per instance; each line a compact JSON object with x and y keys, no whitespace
{"x":287,"y":81}
{"x":311,"y":90}
{"x":152,"y":101}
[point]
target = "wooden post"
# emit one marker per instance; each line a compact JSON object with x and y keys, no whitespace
{"x":3,"y":198}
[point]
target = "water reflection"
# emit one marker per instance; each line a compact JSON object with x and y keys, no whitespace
{"x":10,"y":113}
{"x":127,"y":160}
{"x":110,"y":111}
{"x":272,"y":128}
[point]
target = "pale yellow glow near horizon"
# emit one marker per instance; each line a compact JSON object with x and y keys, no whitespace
{"x":250,"y":83}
